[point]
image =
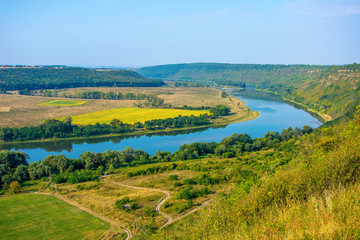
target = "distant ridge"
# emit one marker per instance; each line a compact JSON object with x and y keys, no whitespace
{"x":49,"y":77}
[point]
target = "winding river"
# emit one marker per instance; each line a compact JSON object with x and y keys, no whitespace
{"x":275,"y":115}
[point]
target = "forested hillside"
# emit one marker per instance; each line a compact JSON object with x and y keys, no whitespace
{"x":336,"y":92}
{"x":232,"y":74}
{"x":31,"y":78}
{"x":332,"y":90}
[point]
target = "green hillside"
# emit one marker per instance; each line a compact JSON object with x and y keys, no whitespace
{"x":315,"y":196}
{"x":220,"y":73}
{"x":31,"y":78}
{"x":336,"y":92}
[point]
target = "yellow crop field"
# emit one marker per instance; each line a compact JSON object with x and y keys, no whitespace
{"x":64,"y":103}
{"x":132,"y":115}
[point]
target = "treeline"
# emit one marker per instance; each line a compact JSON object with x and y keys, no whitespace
{"x":13,"y":165}
{"x":88,"y":94}
{"x":151,"y":99}
{"x":65,"y":129}
{"x":70,"y":77}
{"x":188,"y":84}
{"x":193,"y":108}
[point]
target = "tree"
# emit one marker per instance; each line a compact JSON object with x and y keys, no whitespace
{"x":220,"y":110}
{"x":21,"y":173}
{"x":116,"y":122}
{"x":127,"y":154}
{"x":62,"y":162}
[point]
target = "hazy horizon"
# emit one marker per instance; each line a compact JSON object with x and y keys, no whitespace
{"x":147,"y":33}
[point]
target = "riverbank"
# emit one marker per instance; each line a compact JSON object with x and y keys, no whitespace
{"x":322,"y":116}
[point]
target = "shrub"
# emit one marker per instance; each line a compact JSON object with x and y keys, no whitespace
{"x":134,"y":206}
{"x":148,"y":211}
{"x":181,"y":207}
{"x":119,"y":204}
{"x":228,"y":155}
{"x":178,"y":184}
{"x":167,"y":205}
{"x":15,"y":187}
{"x":173,"y":177}
{"x":189,"y":181}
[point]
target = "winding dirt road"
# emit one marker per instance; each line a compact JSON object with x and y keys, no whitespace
{"x":160,"y":203}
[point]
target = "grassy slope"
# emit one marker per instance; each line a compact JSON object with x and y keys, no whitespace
{"x":46,"y":217}
{"x":316,"y":196}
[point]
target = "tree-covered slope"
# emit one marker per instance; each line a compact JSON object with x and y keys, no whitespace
{"x":31,"y":78}
{"x":336,"y":92}
{"x":259,"y":74}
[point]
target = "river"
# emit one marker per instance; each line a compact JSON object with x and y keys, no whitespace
{"x":275,"y":115}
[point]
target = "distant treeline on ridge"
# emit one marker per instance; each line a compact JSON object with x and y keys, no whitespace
{"x":21,"y":78}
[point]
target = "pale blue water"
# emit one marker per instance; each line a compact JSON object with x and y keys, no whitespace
{"x":275,"y":115}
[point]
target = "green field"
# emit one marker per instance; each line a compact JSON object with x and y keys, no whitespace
{"x":46,"y":217}
{"x":64,"y":103}
{"x":132,"y":115}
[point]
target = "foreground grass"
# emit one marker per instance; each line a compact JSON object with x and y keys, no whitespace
{"x":46,"y":217}
{"x":64,"y":103}
{"x":132,"y":115}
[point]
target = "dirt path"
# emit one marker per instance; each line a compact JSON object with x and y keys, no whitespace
{"x":160,"y":203}
{"x":112,"y":222}
{"x":169,"y":220}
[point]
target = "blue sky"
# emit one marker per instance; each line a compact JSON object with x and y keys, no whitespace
{"x":143,"y":33}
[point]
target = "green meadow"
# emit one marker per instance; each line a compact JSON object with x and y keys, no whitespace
{"x":65,"y":103}
{"x":34,"y":216}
